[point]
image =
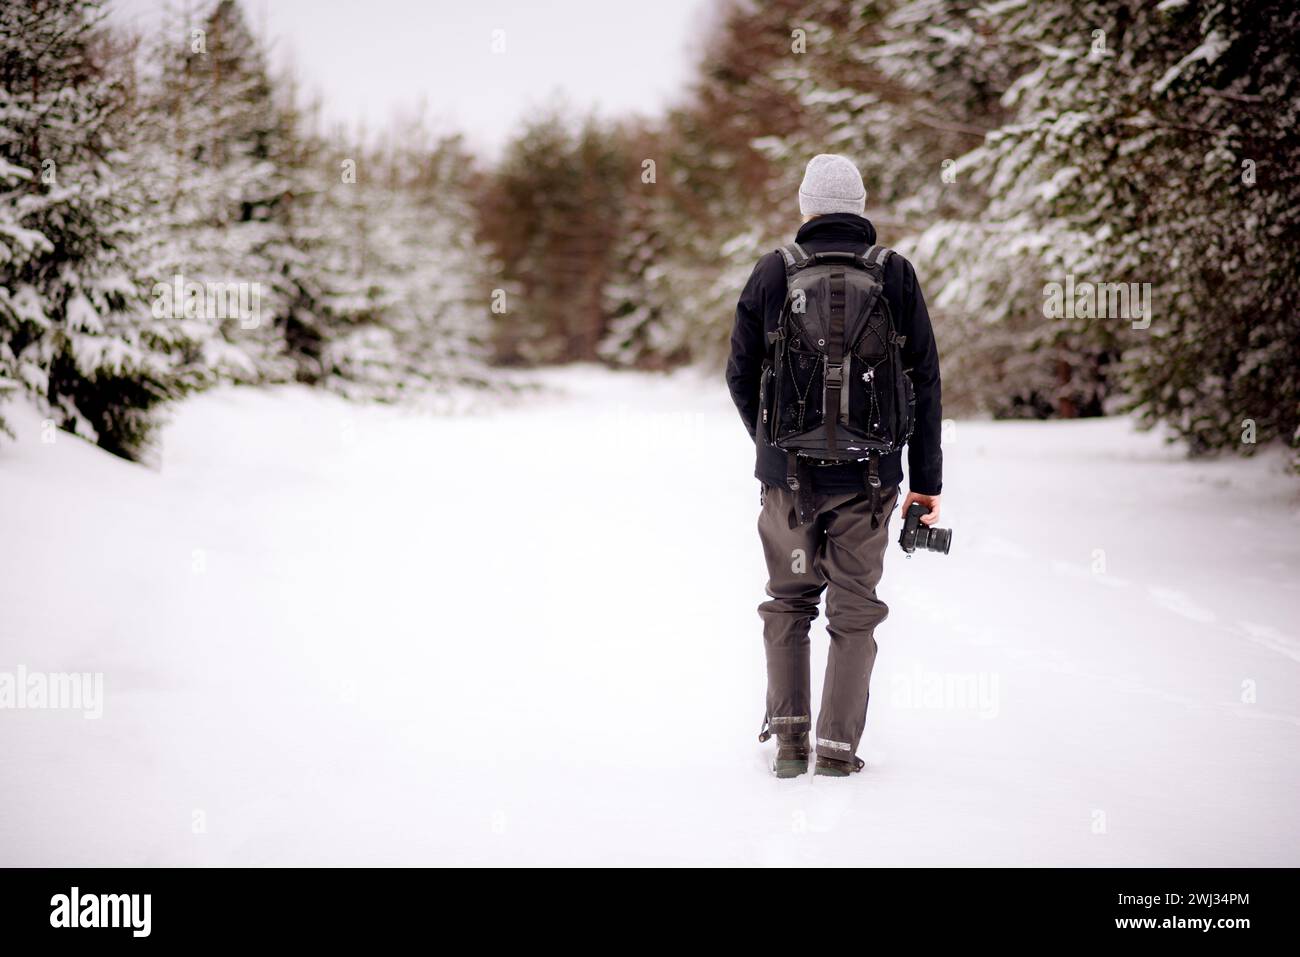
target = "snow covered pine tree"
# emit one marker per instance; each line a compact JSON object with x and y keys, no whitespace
{"x":76,"y":333}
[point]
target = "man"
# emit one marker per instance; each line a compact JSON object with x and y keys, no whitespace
{"x":840,"y":544}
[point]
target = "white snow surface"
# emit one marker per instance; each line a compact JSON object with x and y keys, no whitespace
{"x":344,"y":634}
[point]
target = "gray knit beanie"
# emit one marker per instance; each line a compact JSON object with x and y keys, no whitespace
{"x":831,"y":184}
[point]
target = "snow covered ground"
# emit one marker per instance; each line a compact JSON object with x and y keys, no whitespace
{"x":332,"y":633}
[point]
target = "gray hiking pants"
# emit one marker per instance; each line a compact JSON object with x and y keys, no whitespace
{"x":840,"y":553}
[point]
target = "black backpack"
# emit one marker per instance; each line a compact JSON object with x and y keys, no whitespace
{"x":835,"y":349}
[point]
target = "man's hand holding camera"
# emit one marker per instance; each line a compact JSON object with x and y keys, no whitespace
{"x":931,"y":503}
{"x":920,"y":512}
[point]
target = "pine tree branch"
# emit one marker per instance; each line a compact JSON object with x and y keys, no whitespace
{"x":1236,"y":97}
{"x":949,"y":126}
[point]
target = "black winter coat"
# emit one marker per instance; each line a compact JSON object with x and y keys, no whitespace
{"x":758,"y":312}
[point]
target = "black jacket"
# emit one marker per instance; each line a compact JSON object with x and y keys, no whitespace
{"x":757,"y":313}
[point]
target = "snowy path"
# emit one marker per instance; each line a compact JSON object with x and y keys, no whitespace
{"x":327,"y":643}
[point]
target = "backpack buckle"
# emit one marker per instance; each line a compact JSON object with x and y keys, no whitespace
{"x":835,"y":376}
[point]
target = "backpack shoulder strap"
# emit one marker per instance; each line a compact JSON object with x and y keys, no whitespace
{"x":877,"y":256}
{"x":794,"y":255}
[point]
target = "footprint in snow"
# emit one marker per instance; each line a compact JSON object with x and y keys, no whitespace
{"x":1272,"y":639}
{"x":1180,"y":604}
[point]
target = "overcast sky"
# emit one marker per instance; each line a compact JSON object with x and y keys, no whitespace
{"x":370,"y":59}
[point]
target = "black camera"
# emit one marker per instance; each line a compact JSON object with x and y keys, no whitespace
{"x":915,"y":535}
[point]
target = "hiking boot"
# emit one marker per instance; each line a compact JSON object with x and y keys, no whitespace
{"x":835,"y":768}
{"x":791,"y":755}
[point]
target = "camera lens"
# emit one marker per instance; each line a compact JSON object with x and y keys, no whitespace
{"x":939,"y":540}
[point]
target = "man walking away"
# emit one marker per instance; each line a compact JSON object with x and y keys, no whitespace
{"x":819,"y":355}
